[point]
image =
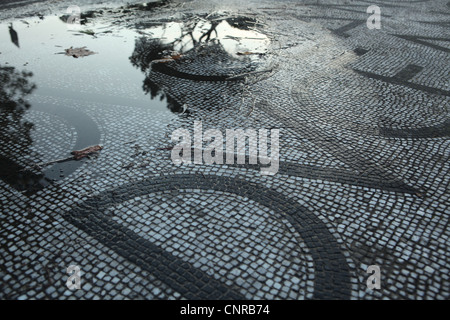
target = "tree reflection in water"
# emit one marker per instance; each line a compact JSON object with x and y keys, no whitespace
{"x":15,"y":132}
{"x":194,"y":38}
{"x":14,"y":86}
{"x":147,"y":50}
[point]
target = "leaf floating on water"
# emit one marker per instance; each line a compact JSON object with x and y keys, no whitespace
{"x":80,"y":154}
{"x":78,"y":52}
{"x":76,"y":155}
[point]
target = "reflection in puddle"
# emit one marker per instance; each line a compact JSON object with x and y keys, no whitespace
{"x":108,"y":76}
{"x":203,"y":49}
{"x":14,"y":130}
{"x":14,"y":36}
{"x":197,"y":50}
{"x":235,"y":39}
{"x":105,"y":77}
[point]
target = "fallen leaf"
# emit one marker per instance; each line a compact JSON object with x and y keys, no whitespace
{"x":79,"y":154}
{"x":78,"y":52}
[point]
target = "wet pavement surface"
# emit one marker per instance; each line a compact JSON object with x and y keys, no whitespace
{"x":364,"y":150}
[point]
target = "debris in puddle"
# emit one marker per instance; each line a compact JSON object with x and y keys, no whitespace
{"x":79,"y":154}
{"x":76,"y":155}
{"x":78,"y":52}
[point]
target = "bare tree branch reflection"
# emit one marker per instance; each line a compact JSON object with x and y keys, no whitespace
{"x":191,"y":39}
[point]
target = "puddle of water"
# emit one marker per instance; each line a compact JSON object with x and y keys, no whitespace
{"x":103,"y":76}
{"x":106,"y":77}
{"x":110,"y":76}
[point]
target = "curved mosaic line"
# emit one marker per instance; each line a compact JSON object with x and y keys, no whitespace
{"x":438,"y":131}
{"x":435,"y":131}
{"x":421,"y":40}
{"x":189,"y":76}
{"x":402,"y":82}
{"x":332,"y":279}
{"x":331,"y":174}
{"x":376,"y":175}
{"x":346,"y":177}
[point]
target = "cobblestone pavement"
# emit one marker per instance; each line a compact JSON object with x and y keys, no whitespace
{"x":364,"y":153}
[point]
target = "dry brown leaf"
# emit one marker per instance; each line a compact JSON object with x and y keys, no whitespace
{"x":78,"y":52}
{"x":80,"y":154}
